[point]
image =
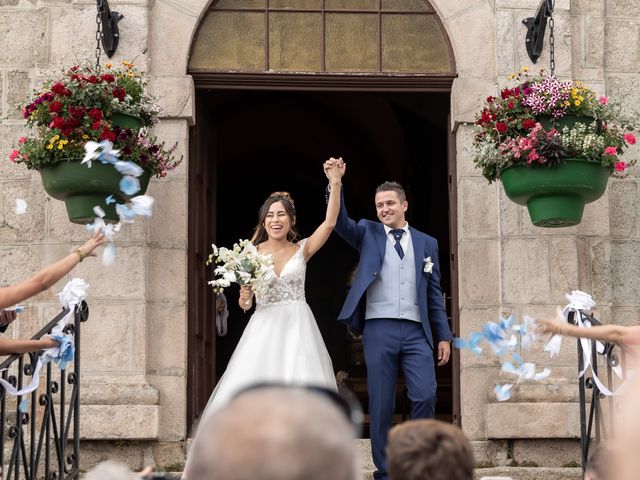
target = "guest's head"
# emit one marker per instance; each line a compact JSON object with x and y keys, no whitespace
{"x":391,"y":204}
{"x":276,"y":219}
{"x":276,"y":433}
{"x":428,"y":449}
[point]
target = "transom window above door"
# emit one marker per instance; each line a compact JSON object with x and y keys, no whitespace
{"x":333,"y":36}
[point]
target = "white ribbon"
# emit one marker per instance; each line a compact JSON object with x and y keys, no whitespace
{"x":72,"y":295}
{"x":581,"y":301}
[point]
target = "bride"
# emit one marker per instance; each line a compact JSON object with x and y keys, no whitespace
{"x":282,"y":342}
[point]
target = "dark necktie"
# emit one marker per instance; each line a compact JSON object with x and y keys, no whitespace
{"x":397,"y":234}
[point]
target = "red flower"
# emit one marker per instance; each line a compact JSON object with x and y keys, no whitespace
{"x":22,"y":140}
{"x":58,"y":123}
{"x":528,"y":123}
{"x":107,"y":77}
{"x":92,"y":79}
{"x":516,"y":92}
{"x":119,"y":93}
{"x":60,"y":89}
{"x":107,"y":134}
{"x":95,"y":114}
{"x":95,"y":126}
{"x":630,"y":138}
{"x":76,"y":112}
{"x":506,"y":93}
{"x":501,"y":127}
{"x":66,"y":132}
{"x":55,"y":107}
{"x":510,"y":105}
{"x":611,"y":151}
{"x":14,"y":154}
{"x":486,"y":117}
{"x":490,"y":99}
{"x":619,"y":166}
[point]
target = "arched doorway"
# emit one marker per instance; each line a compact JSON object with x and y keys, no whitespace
{"x":258,"y":131}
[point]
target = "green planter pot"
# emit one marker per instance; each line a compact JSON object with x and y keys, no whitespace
{"x":82,"y":188}
{"x":555,"y":196}
{"x":570,"y":120}
{"x":125,"y":120}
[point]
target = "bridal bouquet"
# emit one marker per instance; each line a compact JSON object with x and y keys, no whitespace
{"x":242,"y":265}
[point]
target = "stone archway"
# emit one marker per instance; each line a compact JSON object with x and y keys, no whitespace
{"x":176,"y":24}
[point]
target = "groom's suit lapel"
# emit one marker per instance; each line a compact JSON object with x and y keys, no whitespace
{"x":418,"y":249}
{"x":381,"y":240}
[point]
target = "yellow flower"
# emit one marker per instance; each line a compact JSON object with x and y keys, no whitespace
{"x":127,"y":64}
{"x":524,"y":69}
{"x":578,"y":102}
{"x":512,"y":76}
{"x":50,"y":146}
{"x":85,"y":137}
{"x":108,"y":65}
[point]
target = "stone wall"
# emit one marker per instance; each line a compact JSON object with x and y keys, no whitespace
{"x":135,"y":389}
{"x":134,"y":344}
{"x":507,"y":266}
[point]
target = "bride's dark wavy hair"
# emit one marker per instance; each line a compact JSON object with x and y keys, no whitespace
{"x":259,"y":232}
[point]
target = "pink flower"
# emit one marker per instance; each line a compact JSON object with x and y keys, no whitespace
{"x":14,"y":154}
{"x":533,"y":155}
{"x":611,"y":151}
{"x":619,"y":166}
{"x":604,"y":100}
{"x":22,"y":140}
{"x":630,"y":138}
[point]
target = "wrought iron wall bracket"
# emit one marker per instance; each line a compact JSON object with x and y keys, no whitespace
{"x":109,"y":23}
{"x":536,"y":27}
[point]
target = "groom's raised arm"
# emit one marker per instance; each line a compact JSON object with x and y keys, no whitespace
{"x":346,"y":227}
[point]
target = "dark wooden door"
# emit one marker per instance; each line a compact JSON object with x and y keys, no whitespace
{"x":200,"y":299}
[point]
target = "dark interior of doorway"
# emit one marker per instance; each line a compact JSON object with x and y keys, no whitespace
{"x":271,"y":141}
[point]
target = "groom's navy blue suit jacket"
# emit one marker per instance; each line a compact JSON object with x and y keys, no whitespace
{"x":370,"y":240}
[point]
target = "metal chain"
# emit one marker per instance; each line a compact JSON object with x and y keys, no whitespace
{"x":552,"y":45}
{"x":98,"y":33}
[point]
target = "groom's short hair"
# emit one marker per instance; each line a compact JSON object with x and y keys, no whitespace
{"x":432,"y":449}
{"x":392,"y":187}
{"x":276,"y":433}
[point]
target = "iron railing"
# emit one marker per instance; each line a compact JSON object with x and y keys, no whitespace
{"x":41,"y":438}
{"x":596,"y":425}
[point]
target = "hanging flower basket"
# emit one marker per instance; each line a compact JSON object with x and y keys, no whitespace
{"x":126,"y":120}
{"x":82,"y":188}
{"x":74,"y":114}
{"x":555,"y":196}
{"x":553,"y":145}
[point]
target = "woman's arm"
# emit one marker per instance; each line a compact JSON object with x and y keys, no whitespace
{"x":9,"y":347}
{"x":49,"y":275}
{"x":334,"y":173}
{"x":605,"y":333}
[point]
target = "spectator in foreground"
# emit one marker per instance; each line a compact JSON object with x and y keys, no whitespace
{"x":276,"y":433}
{"x":428,"y":449}
{"x":598,"y":464}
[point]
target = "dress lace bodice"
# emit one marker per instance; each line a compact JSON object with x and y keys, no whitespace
{"x":289,"y":286}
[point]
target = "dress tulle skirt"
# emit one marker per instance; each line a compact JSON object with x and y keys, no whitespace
{"x":281,"y":343}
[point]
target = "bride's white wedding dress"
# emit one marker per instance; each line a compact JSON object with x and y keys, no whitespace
{"x":281,"y":343}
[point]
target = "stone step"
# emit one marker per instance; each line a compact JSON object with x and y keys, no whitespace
{"x":531,"y":473}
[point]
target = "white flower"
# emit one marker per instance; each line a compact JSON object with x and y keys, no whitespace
{"x":428,"y":265}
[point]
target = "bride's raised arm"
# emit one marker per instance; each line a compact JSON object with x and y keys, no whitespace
{"x":334,"y":169}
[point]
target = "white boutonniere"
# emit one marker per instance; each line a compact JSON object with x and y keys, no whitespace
{"x":428,"y":265}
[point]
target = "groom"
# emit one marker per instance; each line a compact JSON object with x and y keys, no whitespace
{"x":396,"y":301}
